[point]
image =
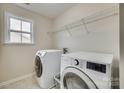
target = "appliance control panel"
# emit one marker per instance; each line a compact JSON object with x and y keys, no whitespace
{"x":78,"y":63}
{"x":96,"y":67}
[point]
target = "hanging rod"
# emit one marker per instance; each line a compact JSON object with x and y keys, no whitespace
{"x":90,"y":19}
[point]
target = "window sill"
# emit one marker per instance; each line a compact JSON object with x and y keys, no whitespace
{"x":7,"y":43}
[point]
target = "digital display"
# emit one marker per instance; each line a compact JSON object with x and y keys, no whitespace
{"x":96,"y":67}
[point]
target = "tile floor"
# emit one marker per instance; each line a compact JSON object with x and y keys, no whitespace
{"x":28,"y":83}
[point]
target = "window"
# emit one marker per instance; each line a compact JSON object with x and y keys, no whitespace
{"x":18,"y":30}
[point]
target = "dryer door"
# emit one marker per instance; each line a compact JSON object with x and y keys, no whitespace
{"x":74,"y":78}
{"x":38,"y":66}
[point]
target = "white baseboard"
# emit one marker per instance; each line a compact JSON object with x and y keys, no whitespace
{"x":16,"y":79}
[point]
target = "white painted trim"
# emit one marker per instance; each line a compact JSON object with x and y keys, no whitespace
{"x":16,"y":79}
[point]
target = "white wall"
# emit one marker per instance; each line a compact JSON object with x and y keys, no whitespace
{"x":17,"y":60}
{"x":103,"y":36}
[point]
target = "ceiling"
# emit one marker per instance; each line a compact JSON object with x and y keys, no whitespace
{"x":51,"y":10}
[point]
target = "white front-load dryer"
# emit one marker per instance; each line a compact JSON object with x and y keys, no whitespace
{"x":86,"y":70}
{"x":47,"y":65}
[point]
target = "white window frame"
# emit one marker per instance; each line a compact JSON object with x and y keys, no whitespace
{"x":7,"y":30}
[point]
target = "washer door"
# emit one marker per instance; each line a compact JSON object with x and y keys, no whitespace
{"x":74,"y":78}
{"x":38,"y":66}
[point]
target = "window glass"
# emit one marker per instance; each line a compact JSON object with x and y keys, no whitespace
{"x":26,"y":38}
{"x":26,"y":26}
{"x":15,"y":24}
{"x":15,"y":37}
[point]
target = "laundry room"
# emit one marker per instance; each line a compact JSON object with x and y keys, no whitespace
{"x":61,"y":45}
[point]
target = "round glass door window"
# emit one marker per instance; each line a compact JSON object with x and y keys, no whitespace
{"x":38,"y":66}
{"x":74,"y":78}
{"x":73,"y":81}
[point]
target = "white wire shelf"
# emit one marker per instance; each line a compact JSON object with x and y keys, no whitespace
{"x":89,"y":19}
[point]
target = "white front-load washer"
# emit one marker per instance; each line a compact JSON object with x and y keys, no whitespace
{"x":86,"y":70}
{"x":47,"y":65}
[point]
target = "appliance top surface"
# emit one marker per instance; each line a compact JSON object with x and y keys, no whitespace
{"x":91,"y":56}
{"x":50,"y":50}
